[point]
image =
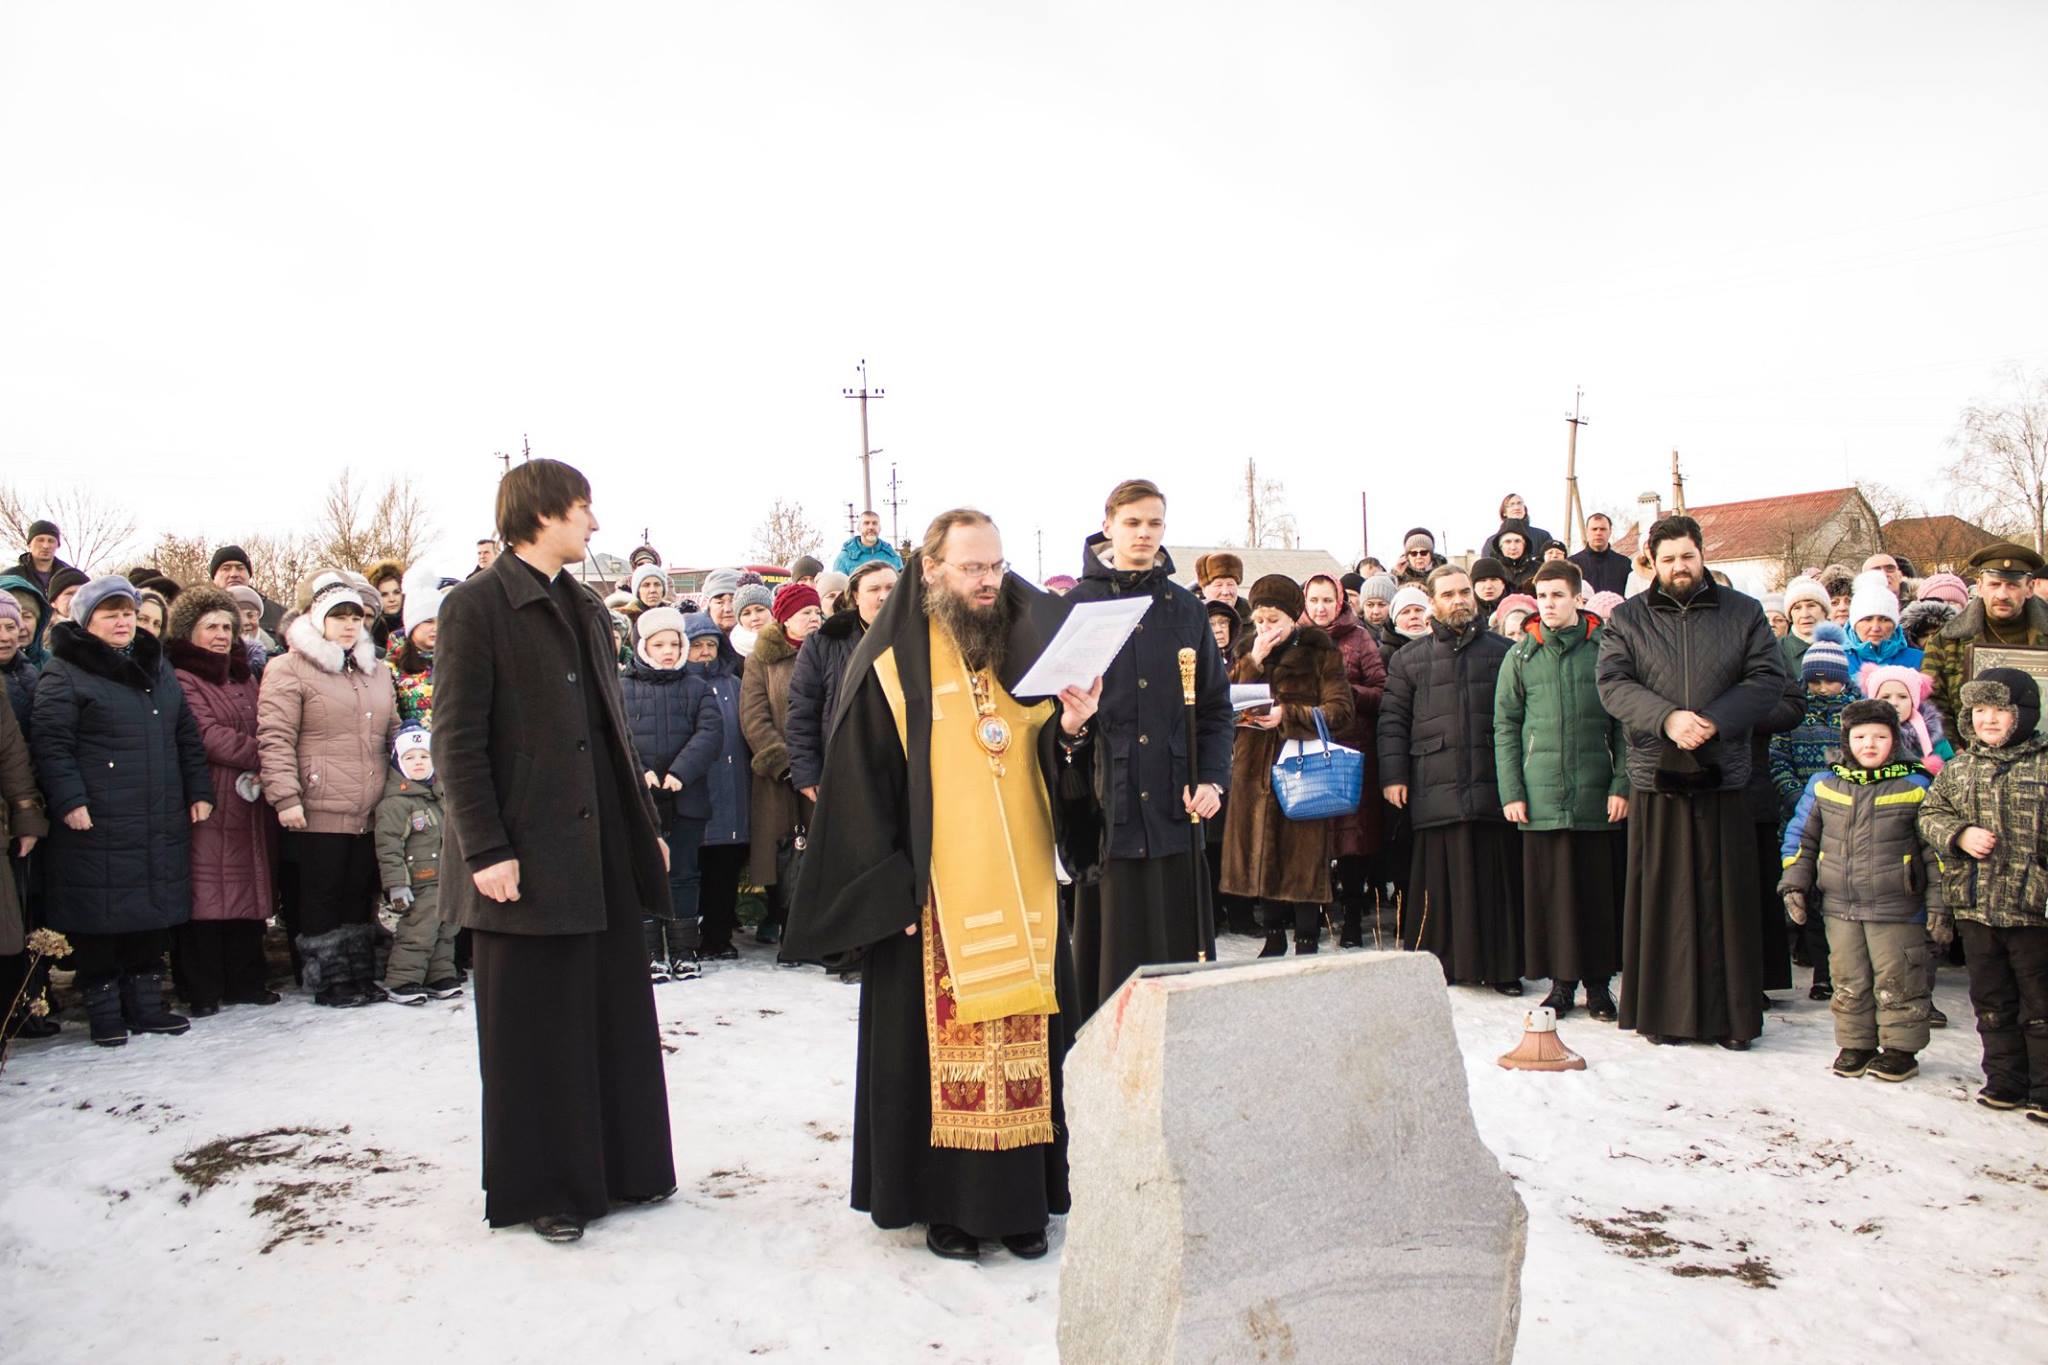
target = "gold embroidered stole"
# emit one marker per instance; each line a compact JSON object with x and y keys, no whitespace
{"x":988,"y":931}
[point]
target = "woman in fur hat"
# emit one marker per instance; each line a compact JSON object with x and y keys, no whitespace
{"x":1283,"y":864}
{"x":218,"y":955}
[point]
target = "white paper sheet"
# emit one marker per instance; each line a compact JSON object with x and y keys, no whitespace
{"x":1088,"y":640}
{"x":1247,"y":696}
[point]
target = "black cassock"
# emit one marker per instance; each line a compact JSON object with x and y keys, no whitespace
{"x":863,"y":881}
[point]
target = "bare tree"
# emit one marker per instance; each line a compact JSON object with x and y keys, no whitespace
{"x":182,"y":559}
{"x":394,"y":525}
{"x":278,"y":564}
{"x":95,"y":531}
{"x":785,"y":533}
{"x":1267,"y":522}
{"x":2000,"y":456}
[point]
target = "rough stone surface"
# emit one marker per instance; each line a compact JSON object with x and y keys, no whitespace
{"x":1276,"y":1161}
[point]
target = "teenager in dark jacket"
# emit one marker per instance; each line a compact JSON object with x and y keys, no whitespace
{"x":1437,"y":762}
{"x":219,"y":953}
{"x":121,"y":764}
{"x":722,"y":857}
{"x":677,"y":736}
{"x":1513,"y":509}
{"x":1144,"y":906}
{"x":821,"y":667}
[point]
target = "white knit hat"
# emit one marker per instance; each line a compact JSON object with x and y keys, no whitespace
{"x":1872,"y":596}
{"x":1805,"y":588}
{"x":1409,"y":596}
{"x":653,"y":622}
{"x":421,"y":605}
{"x":645,"y":572}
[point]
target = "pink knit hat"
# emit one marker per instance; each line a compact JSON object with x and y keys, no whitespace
{"x":1944,"y":587}
{"x":1602,"y":604}
{"x":1873,"y":676}
{"x":1509,"y":605}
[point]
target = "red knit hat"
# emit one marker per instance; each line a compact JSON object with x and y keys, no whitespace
{"x":792,"y":598}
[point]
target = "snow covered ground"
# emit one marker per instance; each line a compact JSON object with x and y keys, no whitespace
{"x":298,"y":1185}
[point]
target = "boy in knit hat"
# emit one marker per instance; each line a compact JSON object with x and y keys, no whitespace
{"x":409,"y":861}
{"x":1984,"y":819}
{"x":1855,"y":827}
{"x":1808,"y":748}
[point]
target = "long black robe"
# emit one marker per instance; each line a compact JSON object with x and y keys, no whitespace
{"x":864,"y":880}
{"x":1691,"y":958}
{"x":1139,"y":912}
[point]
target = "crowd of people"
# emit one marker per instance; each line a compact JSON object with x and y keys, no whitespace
{"x":1577,"y":767}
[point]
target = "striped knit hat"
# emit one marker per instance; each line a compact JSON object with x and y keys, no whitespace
{"x":1825,"y":658}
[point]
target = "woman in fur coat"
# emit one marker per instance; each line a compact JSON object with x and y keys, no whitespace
{"x":1283,"y":864}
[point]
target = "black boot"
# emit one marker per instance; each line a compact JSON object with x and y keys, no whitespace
{"x":361,"y":953}
{"x":324,"y":965}
{"x":1276,"y":943}
{"x":1354,"y":924}
{"x":103,"y":1012}
{"x":1599,"y":1003}
{"x":1560,"y":997}
{"x":142,"y":1003}
{"x":1308,"y":942}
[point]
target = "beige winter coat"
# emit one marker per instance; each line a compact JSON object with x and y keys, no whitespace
{"x":324,"y":724}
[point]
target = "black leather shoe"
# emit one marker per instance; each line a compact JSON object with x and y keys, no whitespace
{"x":1734,"y":1044}
{"x":943,"y":1239}
{"x":1663,"y":1039}
{"x":1027,"y":1245}
{"x":1510,"y":988}
{"x":559,"y":1227}
{"x":201,"y":1010}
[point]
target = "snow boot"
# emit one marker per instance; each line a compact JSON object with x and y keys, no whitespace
{"x":103,"y":1012}
{"x":410,"y":993}
{"x":365,"y":957}
{"x":1276,"y":944}
{"x":1308,"y":942}
{"x":1989,"y":1098}
{"x":1600,"y":1002}
{"x":142,"y":1004}
{"x":1894,"y":1065}
{"x":1935,"y":1018}
{"x":326,"y":969}
{"x":684,"y":966}
{"x":1560,"y":997}
{"x":2038,"y":1113}
{"x":447,"y":988}
{"x":1852,"y":1062}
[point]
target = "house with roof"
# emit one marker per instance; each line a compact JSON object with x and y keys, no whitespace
{"x":1937,"y":544}
{"x":1298,"y":565}
{"x":1762,"y":542}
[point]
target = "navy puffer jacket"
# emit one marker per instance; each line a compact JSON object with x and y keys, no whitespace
{"x":677,"y":730}
{"x":814,"y":694}
{"x":1436,"y":724}
{"x":113,"y":735}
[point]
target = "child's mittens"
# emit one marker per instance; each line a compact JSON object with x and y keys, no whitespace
{"x":1795,"y":906}
{"x":401,"y":898}
{"x":1940,"y":927}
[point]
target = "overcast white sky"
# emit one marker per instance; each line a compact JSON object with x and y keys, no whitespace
{"x":1374,"y":245}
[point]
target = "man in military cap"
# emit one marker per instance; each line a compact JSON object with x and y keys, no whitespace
{"x":2003,"y":611}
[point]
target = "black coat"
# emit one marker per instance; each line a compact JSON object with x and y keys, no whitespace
{"x":1436,"y":724}
{"x":513,"y":752}
{"x":678,"y":731}
{"x":1604,"y":570}
{"x":1141,"y":760}
{"x":1713,"y":654}
{"x":21,"y":687}
{"x":814,"y":694}
{"x":113,"y":735}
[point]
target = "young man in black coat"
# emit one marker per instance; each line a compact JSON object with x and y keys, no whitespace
{"x":1146,"y":906}
{"x":1604,"y":568}
{"x":555,"y":861}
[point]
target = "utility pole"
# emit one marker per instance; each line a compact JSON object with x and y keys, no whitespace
{"x":852,"y":520}
{"x":864,"y":393}
{"x":1041,"y":554}
{"x":1251,"y":504}
{"x":1364,"y":529}
{"x":1677,"y":485}
{"x":896,"y":504}
{"x":1574,"y":512}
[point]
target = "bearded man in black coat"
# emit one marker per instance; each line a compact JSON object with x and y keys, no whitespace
{"x":931,"y":862}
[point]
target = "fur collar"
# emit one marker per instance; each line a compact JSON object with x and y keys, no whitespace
{"x":306,"y":641}
{"x":771,"y":646}
{"x":843,"y":625}
{"x":135,"y":666}
{"x":217,"y":669}
{"x":1969,"y":623}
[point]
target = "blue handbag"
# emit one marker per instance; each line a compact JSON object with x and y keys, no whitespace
{"x":1316,"y":779}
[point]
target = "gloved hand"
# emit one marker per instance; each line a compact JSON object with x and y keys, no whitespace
{"x":1940,"y":927}
{"x":1795,"y":906}
{"x":401,"y":898}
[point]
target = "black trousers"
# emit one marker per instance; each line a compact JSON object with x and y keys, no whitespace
{"x":2009,"y":990}
{"x":337,"y":880}
{"x":100,"y":957}
{"x":719,"y":869}
{"x":218,"y":959}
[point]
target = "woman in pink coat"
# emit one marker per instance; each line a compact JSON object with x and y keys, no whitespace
{"x":218,"y":955}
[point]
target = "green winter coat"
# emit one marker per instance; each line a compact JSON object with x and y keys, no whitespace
{"x":1554,"y":744}
{"x":2002,"y":790}
{"x":409,"y":835}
